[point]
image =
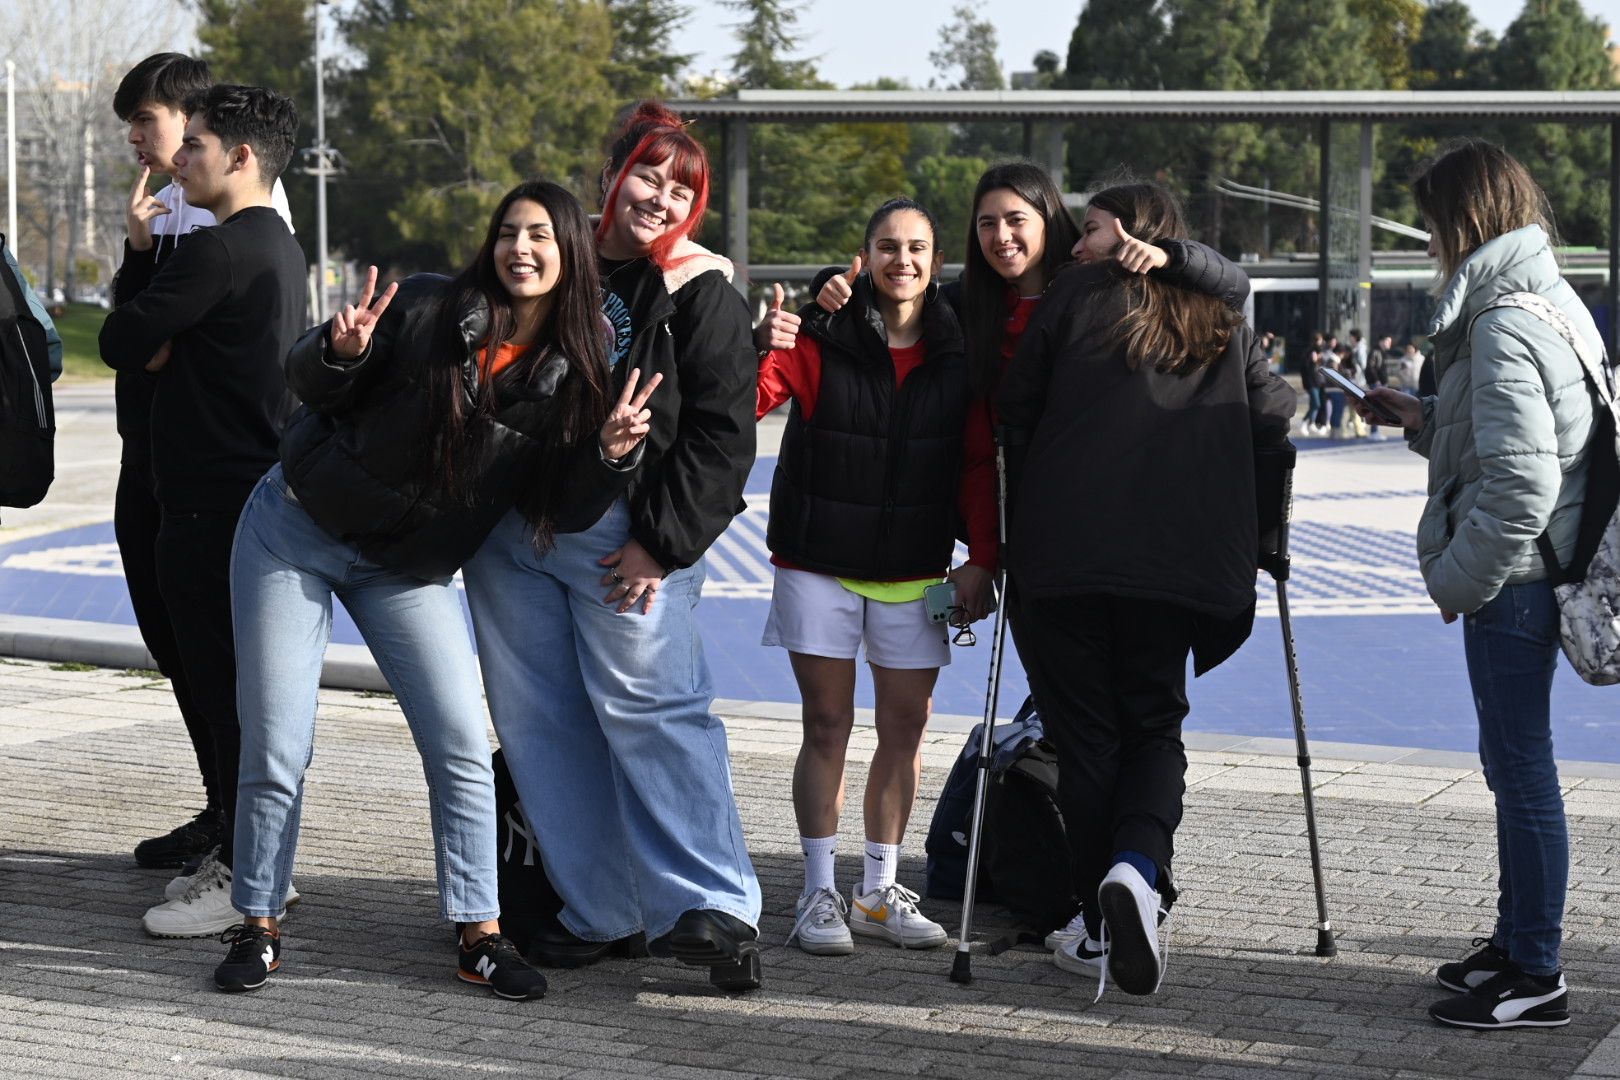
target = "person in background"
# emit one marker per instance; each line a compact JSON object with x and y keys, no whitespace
{"x":1380,"y":366}
{"x":152,"y":100}
{"x":213,"y":322}
{"x":1507,"y":436}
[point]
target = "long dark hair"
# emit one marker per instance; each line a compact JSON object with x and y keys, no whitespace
{"x":1177,"y":331}
{"x":573,"y":330}
{"x":984,"y":292}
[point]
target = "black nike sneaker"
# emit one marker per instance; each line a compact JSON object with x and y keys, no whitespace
{"x":255,"y":953}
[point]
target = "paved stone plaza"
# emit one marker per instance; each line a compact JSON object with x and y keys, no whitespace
{"x":94,"y":760}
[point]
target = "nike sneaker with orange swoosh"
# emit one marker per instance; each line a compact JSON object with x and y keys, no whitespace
{"x":891,"y":913}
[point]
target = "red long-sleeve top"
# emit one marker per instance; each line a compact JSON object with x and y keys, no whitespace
{"x":795,"y":374}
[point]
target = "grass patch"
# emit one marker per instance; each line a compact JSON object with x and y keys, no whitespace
{"x":74,"y":665}
{"x":80,"y":327}
{"x":141,"y":673}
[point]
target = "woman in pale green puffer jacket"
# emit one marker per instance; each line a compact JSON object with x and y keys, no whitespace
{"x":1506,"y":436}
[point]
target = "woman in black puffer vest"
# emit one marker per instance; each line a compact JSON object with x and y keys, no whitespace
{"x":427,"y":415}
{"x":877,"y":468}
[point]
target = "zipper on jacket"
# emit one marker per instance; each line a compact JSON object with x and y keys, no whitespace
{"x":891,"y":481}
{"x":39,"y":396}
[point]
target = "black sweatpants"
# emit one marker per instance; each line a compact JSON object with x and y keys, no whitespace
{"x":136,"y":517}
{"x":194,"y":575}
{"x":1109,"y":677}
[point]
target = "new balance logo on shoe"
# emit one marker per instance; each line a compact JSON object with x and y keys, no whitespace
{"x":486,"y":966}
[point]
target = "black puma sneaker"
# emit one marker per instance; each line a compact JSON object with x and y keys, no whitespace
{"x":1508,"y":999}
{"x":170,"y":851}
{"x":1467,"y":973}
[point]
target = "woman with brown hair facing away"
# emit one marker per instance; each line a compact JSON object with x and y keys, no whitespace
{"x":1506,"y":436}
{"x":1133,"y":409}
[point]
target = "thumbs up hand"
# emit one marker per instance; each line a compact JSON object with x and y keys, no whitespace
{"x":840,"y":287}
{"x":1137,"y":256}
{"x":779,"y":329}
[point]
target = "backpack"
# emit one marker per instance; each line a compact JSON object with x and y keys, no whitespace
{"x":1588,"y":589}
{"x":528,"y":899}
{"x":27,"y":422}
{"x":1024,"y":851}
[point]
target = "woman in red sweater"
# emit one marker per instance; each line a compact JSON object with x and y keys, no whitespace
{"x":878,"y":466}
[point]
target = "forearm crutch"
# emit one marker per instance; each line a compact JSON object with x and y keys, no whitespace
{"x":1274,"y":490}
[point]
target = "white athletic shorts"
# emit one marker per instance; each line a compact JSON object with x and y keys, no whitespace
{"x":815,"y":615}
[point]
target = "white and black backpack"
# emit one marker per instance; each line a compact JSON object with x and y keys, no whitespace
{"x":1588,"y":589}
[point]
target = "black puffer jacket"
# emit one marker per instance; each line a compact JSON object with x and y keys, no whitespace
{"x":868,"y":486}
{"x":353,"y":455}
{"x":1136,"y":483}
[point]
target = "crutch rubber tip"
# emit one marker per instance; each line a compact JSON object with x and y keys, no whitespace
{"x":1325,"y":945}
{"x":962,"y":967}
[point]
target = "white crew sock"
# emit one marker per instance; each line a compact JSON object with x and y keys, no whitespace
{"x":818,"y":862}
{"x":882,"y":864}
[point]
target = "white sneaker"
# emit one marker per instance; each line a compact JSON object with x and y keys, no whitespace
{"x":1083,"y":955}
{"x":891,"y":913}
{"x":203,"y":908}
{"x":1065,"y":934}
{"x":820,"y":929}
{"x":1130,"y":916}
{"x":178,"y":885}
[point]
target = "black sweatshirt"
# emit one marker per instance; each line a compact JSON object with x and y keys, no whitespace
{"x":231,"y":300}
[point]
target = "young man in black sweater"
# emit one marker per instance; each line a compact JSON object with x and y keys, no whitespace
{"x":214,"y":323}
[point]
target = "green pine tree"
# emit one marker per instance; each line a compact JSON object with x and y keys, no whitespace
{"x":1116,"y":45}
{"x":643,"y":63}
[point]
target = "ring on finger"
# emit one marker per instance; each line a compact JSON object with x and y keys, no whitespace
{"x":617,"y":578}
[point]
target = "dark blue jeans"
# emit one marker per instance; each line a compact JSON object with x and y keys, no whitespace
{"x":1512,"y":647}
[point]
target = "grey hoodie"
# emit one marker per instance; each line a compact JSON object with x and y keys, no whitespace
{"x":1507,"y":432}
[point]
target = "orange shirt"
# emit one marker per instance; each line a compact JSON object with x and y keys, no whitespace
{"x":505,"y":354}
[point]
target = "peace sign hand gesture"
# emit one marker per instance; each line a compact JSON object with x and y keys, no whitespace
{"x":352,"y":327}
{"x":141,"y":211}
{"x":629,"y":421}
{"x":1137,"y":256}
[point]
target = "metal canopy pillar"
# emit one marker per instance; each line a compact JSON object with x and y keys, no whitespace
{"x":1324,"y":218}
{"x":735,"y":135}
{"x":1364,"y":240}
{"x":1057,"y":153}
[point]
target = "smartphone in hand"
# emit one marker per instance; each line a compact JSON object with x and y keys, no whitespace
{"x":1359,"y":392}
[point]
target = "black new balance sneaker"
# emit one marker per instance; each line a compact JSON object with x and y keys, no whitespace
{"x":495,"y":962}
{"x":196,"y":837}
{"x":1469,"y":972}
{"x":1510,"y":998}
{"x":255,"y":953}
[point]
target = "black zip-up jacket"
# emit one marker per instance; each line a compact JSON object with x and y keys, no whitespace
{"x":231,"y":300}
{"x":868,"y":486}
{"x":354,"y":454}
{"x":691,"y":325}
{"x":1136,"y":483}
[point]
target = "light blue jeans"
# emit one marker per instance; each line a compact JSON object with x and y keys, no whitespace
{"x":604,"y":719}
{"x":284,"y":571}
{"x":1512,"y":649}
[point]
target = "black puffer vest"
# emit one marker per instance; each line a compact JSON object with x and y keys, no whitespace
{"x":867,"y":486}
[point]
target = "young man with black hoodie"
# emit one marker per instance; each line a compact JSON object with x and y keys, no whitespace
{"x":214,"y":323}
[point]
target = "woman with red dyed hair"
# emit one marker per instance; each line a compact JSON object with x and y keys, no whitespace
{"x":591,"y":657}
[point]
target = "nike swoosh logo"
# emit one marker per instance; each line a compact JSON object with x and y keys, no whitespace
{"x":880,"y":915}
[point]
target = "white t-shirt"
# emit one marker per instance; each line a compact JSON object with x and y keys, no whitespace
{"x":184,"y":218}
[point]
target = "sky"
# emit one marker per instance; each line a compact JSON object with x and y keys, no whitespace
{"x":860,"y":40}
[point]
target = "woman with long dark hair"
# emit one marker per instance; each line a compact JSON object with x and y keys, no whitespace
{"x":1134,"y":407}
{"x":875,"y":472}
{"x":590,"y":651}
{"x":427,"y":415}
{"x":1507,"y":434}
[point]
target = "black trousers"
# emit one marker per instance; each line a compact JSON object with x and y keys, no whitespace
{"x":136,"y":517}
{"x":193,"y":556}
{"x":1109,"y":677}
